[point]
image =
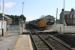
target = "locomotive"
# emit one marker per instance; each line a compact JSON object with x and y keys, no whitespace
{"x":46,"y":21}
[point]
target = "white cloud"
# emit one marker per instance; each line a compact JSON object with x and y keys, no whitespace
{"x":29,"y":18}
{"x":9,"y":5}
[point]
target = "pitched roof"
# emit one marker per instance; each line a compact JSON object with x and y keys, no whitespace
{"x":5,"y":17}
{"x":66,"y":12}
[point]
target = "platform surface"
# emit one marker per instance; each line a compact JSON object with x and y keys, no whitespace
{"x":23,"y":43}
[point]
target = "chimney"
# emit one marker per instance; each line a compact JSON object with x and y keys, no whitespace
{"x":62,"y":10}
{"x":72,"y":10}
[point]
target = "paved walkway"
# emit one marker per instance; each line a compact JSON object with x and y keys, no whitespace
{"x":7,"y":43}
{"x":23,"y":43}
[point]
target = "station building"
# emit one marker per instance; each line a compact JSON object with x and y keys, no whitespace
{"x":67,"y":17}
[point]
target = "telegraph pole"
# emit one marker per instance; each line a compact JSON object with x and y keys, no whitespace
{"x":63,"y":16}
{"x":3,"y":19}
{"x":63,"y":12}
{"x":0,"y":8}
{"x":22,"y":7}
{"x":22,"y":22}
{"x":64,"y":4}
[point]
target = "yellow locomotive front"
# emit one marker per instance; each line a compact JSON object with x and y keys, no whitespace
{"x":42,"y":24}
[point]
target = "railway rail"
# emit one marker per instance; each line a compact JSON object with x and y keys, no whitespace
{"x":39,"y":44}
{"x":55,"y":45}
{"x":45,"y":42}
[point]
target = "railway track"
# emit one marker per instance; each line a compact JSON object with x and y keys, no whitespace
{"x":39,"y":44}
{"x":55,"y":45}
{"x":46,"y":42}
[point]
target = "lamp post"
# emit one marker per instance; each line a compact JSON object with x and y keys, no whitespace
{"x":56,"y":18}
{"x":56,"y":14}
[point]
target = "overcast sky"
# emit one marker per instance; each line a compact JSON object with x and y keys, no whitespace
{"x":34,"y":9}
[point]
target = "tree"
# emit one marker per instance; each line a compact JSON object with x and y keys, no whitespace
{"x":22,"y":17}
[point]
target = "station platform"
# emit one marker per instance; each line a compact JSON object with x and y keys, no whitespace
{"x":23,"y":43}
